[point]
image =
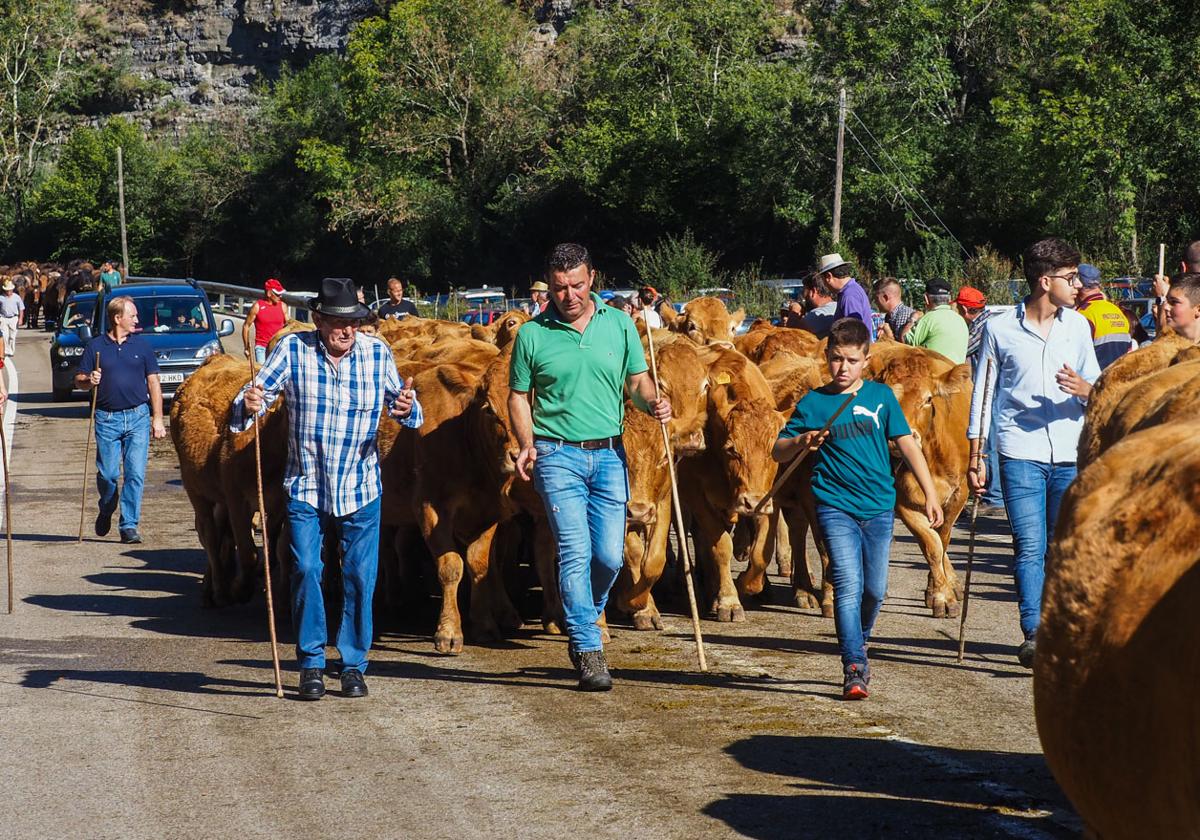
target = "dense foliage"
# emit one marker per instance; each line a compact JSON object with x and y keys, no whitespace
{"x":451,"y":145}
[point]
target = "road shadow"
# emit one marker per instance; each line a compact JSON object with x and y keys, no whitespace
{"x":876,"y":787}
{"x":184,"y":682}
{"x":62,"y":411}
{"x":163,"y":595}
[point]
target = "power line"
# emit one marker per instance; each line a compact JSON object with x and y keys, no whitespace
{"x":891,"y":183}
{"x":900,"y":176}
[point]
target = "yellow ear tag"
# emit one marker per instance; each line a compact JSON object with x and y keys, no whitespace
{"x":722,"y":378}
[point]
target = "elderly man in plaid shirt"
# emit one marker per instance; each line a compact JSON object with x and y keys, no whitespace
{"x":336,"y":383}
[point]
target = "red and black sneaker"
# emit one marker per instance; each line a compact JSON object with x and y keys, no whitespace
{"x":855,"y":686}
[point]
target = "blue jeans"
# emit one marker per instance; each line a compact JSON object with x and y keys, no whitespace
{"x":122,"y":445}
{"x":358,"y":534}
{"x":260,"y":354}
{"x":1033,"y":491}
{"x":585,"y":492}
{"x":993,"y":494}
{"x":858,"y":568}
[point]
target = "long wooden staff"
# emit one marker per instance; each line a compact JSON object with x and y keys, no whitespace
{"x":985,"y":420}
{"x":678,"y":508}
{"x":262,"y":522}
{"x":1162,"y":257}
{"x":8,"y":540}
{"x":87,"y":445}
{"x":800,"y":456}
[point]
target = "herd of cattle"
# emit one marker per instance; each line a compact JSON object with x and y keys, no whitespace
{"x":1116,"y":656}
{"x":451,"y":496}
{"x":45,"y":287}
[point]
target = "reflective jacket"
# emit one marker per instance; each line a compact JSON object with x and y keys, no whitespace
{"x":1110,"y":330}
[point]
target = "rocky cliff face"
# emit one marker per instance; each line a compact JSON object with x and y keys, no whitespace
{"x":210,"y":53}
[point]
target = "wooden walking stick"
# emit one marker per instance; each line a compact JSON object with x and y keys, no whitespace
{"x":800,"y":456}
{"x":985,"y":420}
{"x":87,"y":445}
{"x":8,"y":540}
{"x":683,"y":546}
{"x":1162,"y":257}
{"x":262,"y":522}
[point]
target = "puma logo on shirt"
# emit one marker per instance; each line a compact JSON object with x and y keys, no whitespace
{"x":860,"y":411}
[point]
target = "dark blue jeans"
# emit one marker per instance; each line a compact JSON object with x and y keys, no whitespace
{"x":359,"y":539}
{"x":858,"y":568}
{"x":1033,"y":491}
{"x":585,"y":492}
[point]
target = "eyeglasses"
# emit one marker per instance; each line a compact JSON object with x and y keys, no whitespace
{"x":1071,"y":279}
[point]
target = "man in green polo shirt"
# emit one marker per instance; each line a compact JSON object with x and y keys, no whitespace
{"x":569,"y":368}
{"x":940,"y":329}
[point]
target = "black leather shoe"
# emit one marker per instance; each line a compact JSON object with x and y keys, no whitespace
{"x":103,"y":523}
{"x":130,"y":536}
{"x":1026,"y":651}
{"x":353,"y":684}
{"x":312,"y":684}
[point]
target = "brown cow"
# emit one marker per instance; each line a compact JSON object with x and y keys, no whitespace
{"x":1119,"y":377}
{"x":735,"y":471}
{"x":705,"y":320}
{"x":1116,"y":653}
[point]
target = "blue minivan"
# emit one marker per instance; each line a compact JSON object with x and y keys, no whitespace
{"x":174,"y":316}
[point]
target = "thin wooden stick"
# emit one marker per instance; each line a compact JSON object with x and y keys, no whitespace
{"x":1162,"y":257}
{"x":678,"y":508}
{"x":800,"y":456}
{"x":262,"y":522}
{"x":985,"y":420}
{"x":87,"y":446}
{"x":8,"y":540}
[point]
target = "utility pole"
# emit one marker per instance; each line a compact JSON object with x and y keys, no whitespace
{"x":121,"y":209}
{"x":837,"y":182}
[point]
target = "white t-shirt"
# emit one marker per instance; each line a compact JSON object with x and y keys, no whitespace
{"x":653,"y":319}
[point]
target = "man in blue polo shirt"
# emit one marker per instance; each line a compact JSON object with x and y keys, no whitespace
{"x":569,"y":367}
{"x":128,"y":411}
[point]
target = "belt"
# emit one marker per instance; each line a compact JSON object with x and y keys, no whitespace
{"x":599,"y":443}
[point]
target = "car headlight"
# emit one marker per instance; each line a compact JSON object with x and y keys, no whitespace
{"x":212,"y":348}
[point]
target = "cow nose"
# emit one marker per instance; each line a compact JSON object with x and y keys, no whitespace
{"x":510,"y":461}
{"x":642,"y":513}
{"x":747,"y":502}
{"x":692,"y":443}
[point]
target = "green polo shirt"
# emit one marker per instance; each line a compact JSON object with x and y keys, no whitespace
{"x":578,"y":379}
{"x":942,"y":330}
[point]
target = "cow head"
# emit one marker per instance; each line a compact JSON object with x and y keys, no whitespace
{"x":649,"y":476}
{"x":491,"y":429}
{"x":742,"y":437}
{"x":920,"y":385}
{"x":505,"y":329}
{"x":705,"y":320}
{"x":683,"y":379}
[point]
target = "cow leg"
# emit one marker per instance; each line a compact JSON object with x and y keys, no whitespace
{"x":714,"y":533}
{"x":629,"y":592}
{"x":653,"y":564}
{"x":215,"y":592}
{"x":952,"y":508}
{"x":241,"y":523}
{"x":939,"y":594}
{"x":783,"y":545}
{"x":545,"y":551}
{"x":448,"y":638}
{"x":482,"y":618}
{"x":753,"y":579}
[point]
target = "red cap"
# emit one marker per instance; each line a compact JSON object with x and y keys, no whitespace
{"x":273,"y":285}
{"x":970,"y":297}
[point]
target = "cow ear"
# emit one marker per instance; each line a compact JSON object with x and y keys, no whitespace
{"x":735,"y":319}
{"x":955,"y":381}
{"x":668,"y":314}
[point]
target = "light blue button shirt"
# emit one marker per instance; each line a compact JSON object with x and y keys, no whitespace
{"x":1035,"y":419}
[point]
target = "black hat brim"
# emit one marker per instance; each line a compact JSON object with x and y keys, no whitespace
{"x":358,"y":312}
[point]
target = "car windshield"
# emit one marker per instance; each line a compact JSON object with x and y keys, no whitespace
{"x":180,"y":314}
{"x":78,"y":312}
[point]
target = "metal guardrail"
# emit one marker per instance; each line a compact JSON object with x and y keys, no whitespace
{"x":229,"y":299}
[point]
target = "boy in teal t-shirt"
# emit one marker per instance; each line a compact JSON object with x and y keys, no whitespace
{"x":853,"y":485}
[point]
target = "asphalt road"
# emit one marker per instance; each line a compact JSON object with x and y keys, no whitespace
{"x":131,"y":712}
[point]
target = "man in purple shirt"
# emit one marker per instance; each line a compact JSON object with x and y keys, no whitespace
{"x":852,"y":300}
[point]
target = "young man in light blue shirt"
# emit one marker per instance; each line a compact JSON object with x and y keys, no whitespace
{"x":1043,"y":367}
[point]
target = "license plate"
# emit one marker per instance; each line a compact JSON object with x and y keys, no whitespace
{"x":170,"y":378}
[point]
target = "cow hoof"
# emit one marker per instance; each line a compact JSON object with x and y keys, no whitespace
{"x":939,"y":608}
{"x":748,"y":587}
{"x":485,"y":630}
{"x":953,"y":609}
{"x":826,"y":610}
{"x":605,"y":636}
{"x":731,"y":613}
{"x":445,"y":641}
{"x":784,"y":568}
{"x":509,"y":620}
{"x":805,"y":600}
{"x":647,"y":621}
{"x":552,"y":626}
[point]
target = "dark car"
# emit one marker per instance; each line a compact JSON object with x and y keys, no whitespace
{"x":174,"y":316}
{"x":66,"y":345}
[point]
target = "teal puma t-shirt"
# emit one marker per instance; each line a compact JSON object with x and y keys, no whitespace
{"x":852,"y":471}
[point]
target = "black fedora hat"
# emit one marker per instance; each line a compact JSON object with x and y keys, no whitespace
{"x":338,"y":298}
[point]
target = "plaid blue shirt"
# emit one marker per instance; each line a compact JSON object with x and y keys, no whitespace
{"x":333,"y":417}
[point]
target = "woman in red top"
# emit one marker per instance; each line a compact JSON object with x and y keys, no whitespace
{"x":268,"y":317}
